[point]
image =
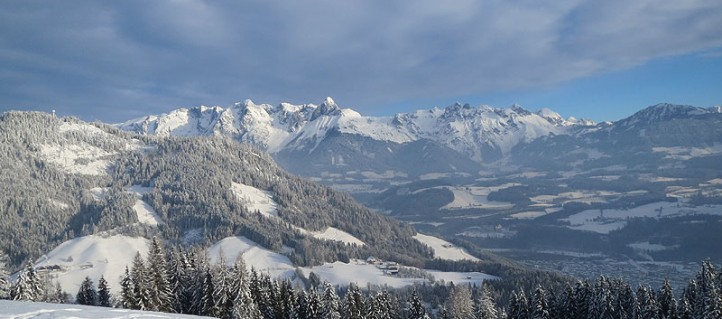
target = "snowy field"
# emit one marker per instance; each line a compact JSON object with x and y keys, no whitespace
{"x":444,"y":249}
{"x":146,"y":213}
{"x":83,"y":158}
{"x":255,"y":199}
{"x":607,"y":220}
{"x":39,"y":310}
{"x":336,"y":234}
{"x":253,"y":255}
{"x":92,"y":256}
{"x":361,"y":273}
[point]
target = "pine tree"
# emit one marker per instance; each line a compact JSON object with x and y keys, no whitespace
{"x":667,"y":302}
{"x":208,"y":303}
{"x":625,"y":303}
{"x":684,"y":308}
{"x":243,"y":305}
{"x":313,"y":305}
{"x":103,"y":293}
{"x":139,"y":278}
{"x":159,"y":289}
{"x":707,"y":298}
{"x":519,"y":306}
{"x":87,"y":294}
{"x":581,"y":300}
{"x":647,"y":303}
{"x":127,"y":294}
{"x":539,"y":306}
{"x":221,"y":293}
{"x":28,"y":286}
{"x":459,"y":305}
{"x":330,"y":303}
{"x":485,"y":307}
{"x":416,"y":308}
{"x":353,"y":305}
{"x":4,"y":277}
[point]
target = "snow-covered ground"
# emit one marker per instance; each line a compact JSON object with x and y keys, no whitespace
{"x":444,"y":249}
{"x":528,"y":215}
{"x":255,"y":199}
{"x":81,"y":158}
{"x":475,"y":197}
{"x":336,"y":234}
{"x":604,"y":221}
{"x":92,"y":256}
{"x":255,"y":256}
{"x":146,"y":213}
{"x":262,"y":201}
{"x":39,"y":310}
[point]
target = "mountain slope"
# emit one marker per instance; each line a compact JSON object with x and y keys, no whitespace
{"x":52,"y":195}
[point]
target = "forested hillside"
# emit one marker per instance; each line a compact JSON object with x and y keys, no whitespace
{"x":64,"y":178}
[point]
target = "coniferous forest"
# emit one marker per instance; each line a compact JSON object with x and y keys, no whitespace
{"x":181,"y":281}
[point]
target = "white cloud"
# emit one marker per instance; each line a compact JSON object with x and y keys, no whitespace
{"x":139,"y":55}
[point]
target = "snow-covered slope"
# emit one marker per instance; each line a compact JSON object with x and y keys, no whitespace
{"x":444,"y":249}
{"x":92,"y":256}
{"x":41,"y":310}
{"x":255,"y":256}
{"x":469,"y":130}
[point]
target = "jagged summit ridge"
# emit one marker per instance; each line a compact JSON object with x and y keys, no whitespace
{"x":464,"y":128}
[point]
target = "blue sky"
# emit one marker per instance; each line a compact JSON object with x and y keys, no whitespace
{"x":117,"y":60}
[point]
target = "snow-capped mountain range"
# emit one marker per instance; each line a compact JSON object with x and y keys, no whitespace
{"x":473,"y":131}
{"x":343,"y":148}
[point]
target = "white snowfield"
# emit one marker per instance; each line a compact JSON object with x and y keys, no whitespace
{"x":92,"y":256}
{"x":257,"y":200}
{"x":255,"y":256}
{"x":40,"y":310}
{"x":146,"y":213}
{"x":444,"y":249}
{"x":336,"y":234}
{"x":80,"y":158}
{"x":476,"y":197}
{"x":607,"y":220}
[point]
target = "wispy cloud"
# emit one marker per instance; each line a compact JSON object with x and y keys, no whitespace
{"x":114,"y":60}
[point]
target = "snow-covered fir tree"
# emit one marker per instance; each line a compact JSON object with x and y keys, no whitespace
{"x":518,"y":306}
{"x":330,"y":305}
{"x":353,"y":303}
{"x":539,"y":306}
{"x":485,"y":307}
{"x":158,"y":286}
{"x":103,"y":292}
{"x":127,"y":291}
{"x":460,"y":304}
{"x":667,"y":302}
{"x":28,"y":286}
{"x":244,"y":307}
{"x":4,"y":277}
{"x":416,"y":309}
{"x":139,"y":277}
{"x":87,"y":295}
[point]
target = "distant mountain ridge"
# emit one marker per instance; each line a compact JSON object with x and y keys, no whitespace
{"x":478,"y":132}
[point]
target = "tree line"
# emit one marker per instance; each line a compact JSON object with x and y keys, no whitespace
{"x":180,"y":281}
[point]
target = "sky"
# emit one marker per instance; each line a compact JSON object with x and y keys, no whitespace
{"x":118,"y":60}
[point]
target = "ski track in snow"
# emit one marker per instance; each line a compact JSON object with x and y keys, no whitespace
{"x":39,"y":310}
